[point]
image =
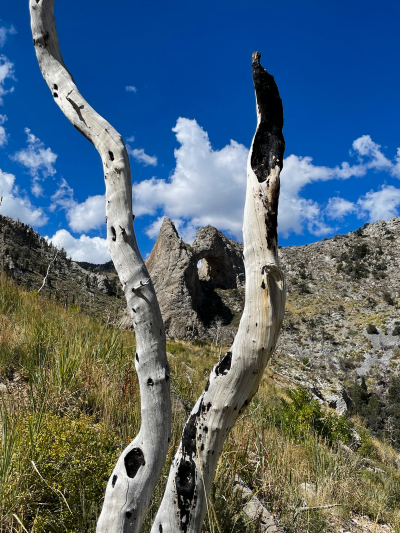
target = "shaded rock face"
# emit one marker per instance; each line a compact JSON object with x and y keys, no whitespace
{"x":221,"y":259}
{"x":186,"y":293}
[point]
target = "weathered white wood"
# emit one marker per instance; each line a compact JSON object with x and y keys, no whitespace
{"x":236,"y":377}
{"x":137,"y":471}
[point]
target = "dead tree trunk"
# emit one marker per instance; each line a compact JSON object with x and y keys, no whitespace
{"x":236,"y":377}
{"x":137,"y":471}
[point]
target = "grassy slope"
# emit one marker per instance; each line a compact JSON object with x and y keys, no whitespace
{"x":72,"y":404}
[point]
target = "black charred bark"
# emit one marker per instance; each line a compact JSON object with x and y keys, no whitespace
{"x":269,"y":144}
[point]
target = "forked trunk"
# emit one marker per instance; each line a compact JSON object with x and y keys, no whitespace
{"x":236,"y":377}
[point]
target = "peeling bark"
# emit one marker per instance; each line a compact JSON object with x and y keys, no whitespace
{"x":235,"y":379}
{"x":139,"y":466}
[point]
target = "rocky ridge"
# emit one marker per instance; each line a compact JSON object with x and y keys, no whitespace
{"x":342,"y":315}
{"x":26,"y":256}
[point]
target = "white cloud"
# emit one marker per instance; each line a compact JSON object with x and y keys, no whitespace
{"x":395,"y":171}
{"x":84,"y":216}
{"x":36,"y":159}
{"x":16,"y":205}
{"x":338,"y":208}
{"x":366,"y":147}
{"x":63,"y":197}
{"x":4,"y":32}
{"x":131,"y":89}
{"x":153,"y":230}
{"x":3,"y":134}
{"x":186,"y":230}
{"x":207,"y":186}
{"x":380,"y":205}
{"x":88,"y":215}
{"x":6,"y":72}
{"x":139,"y":155}
{"x":130,"y":139}
{"x":297,"y":212}
{"x":90,"y":249}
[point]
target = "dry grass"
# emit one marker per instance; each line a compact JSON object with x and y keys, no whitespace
{"x":73,"y":404}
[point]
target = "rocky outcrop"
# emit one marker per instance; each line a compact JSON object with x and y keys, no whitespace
{"x":185,"y":277}
{"x":25,"y":256}
{"x":173,"y":271}
{"x":221,"y":259}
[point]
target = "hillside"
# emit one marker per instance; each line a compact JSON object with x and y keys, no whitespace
{"x":25,"y":256}
{"x":70,"y":403}
{"x":342,"y":318}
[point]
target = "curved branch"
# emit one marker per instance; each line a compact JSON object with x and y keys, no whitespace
{"x":236,"y":377}
{"x":139,"y":466}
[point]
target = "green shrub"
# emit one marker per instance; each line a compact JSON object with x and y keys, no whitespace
{"x":359,"y":232}
{"x":176,"y":349}
{"x":63,"y":489}
{"x":388,"y":298}
{"x":372,"y":330}
{"x":302,"y":414}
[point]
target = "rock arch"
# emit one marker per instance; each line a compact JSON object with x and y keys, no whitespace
{"x":187,"y":295}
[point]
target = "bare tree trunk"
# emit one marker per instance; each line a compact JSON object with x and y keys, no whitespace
{"x":139,"y":466}
{"x":236,"y":377}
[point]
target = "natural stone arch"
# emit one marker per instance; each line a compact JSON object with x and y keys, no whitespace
{"x":221,"y":259}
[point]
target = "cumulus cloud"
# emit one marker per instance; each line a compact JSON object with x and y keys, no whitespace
{"x":3,"y":134}
{"x":4,"y":32}
{"x":131,"y":89}
{"x":88,"y":215}
{"x":297,"y":212}
{"x":90,"y":249}
{"x":364,"y":146}
{"x":380,"y":205}
{"x":141,"y":157}
{"x":84,"y":216}
{"x":38,"y":160}
{"x":338,"y":208}
{"x":6,"y":72}
{"x":17,"y":205}
{"x":131,"y":139}
{"x":207,"y":186}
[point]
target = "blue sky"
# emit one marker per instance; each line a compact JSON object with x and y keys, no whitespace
{"x":175,"y":80}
